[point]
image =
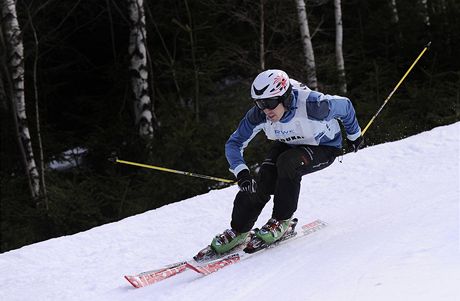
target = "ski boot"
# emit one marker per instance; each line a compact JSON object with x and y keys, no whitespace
{"x":222,"y":244}
{"x":273,"y":230}
{"x":228,"y":240}
{"x":271,"y":233}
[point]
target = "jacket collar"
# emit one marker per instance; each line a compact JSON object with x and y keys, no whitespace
{"x":290,"y":113}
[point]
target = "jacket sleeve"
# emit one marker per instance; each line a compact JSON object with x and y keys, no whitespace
{"x":248,"y":128}
{"x":326,"y":107}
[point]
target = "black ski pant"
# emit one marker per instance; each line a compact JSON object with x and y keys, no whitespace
{"x":280,"y":175}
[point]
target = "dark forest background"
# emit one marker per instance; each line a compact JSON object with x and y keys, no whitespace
{"x":84,"y":95}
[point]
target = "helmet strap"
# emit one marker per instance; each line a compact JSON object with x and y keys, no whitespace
{"x":288,"y":100}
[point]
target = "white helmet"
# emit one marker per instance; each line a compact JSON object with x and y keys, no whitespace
{"x":271,"y":88}
{"x":270,"y":83}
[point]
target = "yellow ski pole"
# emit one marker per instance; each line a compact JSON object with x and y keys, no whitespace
{"x":185,"y":173}
{"x":396,"y":87}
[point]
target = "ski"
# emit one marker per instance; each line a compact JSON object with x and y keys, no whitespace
{"x":215,"y":265}
{"x":207,"y":262}
{"x":204,"y":256}
{"x":151,"y":277}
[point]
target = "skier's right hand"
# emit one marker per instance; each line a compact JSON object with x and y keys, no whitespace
{"x":246,"y":182}
{"x":355,"y":145}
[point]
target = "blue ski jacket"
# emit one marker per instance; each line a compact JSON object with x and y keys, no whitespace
{"x":312,"y":119}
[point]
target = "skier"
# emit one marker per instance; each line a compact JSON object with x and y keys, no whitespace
{"x":304,"y":125}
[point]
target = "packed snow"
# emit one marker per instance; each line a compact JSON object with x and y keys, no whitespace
{"x":393,"y":234}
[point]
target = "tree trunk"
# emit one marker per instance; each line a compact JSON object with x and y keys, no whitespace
{"x":262,"y":36}
{"x":3,"y":98}
{"x":338,"y":47}
{"x":171,"y":61}
{"x":138,"y":69}
{"x":196,"y":71}
{"x":37,"y":116}
{"x":312,"y":82}
{"x":15,"y":57}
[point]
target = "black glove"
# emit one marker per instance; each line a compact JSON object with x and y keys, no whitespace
{"x":246,"y":182}
{"x":355,"y":145}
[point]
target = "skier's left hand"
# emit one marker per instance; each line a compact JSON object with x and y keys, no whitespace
{"x":355,"y":145}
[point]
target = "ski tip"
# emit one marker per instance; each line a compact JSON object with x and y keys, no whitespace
{"x":314,"y":226}
{"x":133,"y":281}
{"x":321,"y":222}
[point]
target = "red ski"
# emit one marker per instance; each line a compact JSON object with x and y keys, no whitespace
{"x":151,"y":277}
{"x":210,"y":266}
{"x":215,"y":265}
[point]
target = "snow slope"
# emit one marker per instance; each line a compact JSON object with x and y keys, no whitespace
{"x":393,"y":234}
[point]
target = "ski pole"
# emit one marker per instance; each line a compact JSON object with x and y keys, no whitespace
{"x":185,"y":173}
{"x":395,"y":88}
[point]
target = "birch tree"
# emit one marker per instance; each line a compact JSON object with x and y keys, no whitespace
{"x":338,"y":47}
{"x":137,"y":49}
{"x":41,"y":160}
{"x":312,"y":82}
{"x":15,"y":61}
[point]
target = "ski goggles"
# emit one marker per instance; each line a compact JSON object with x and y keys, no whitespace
{"x":268,"y":103}
{"x":272,"y":102}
